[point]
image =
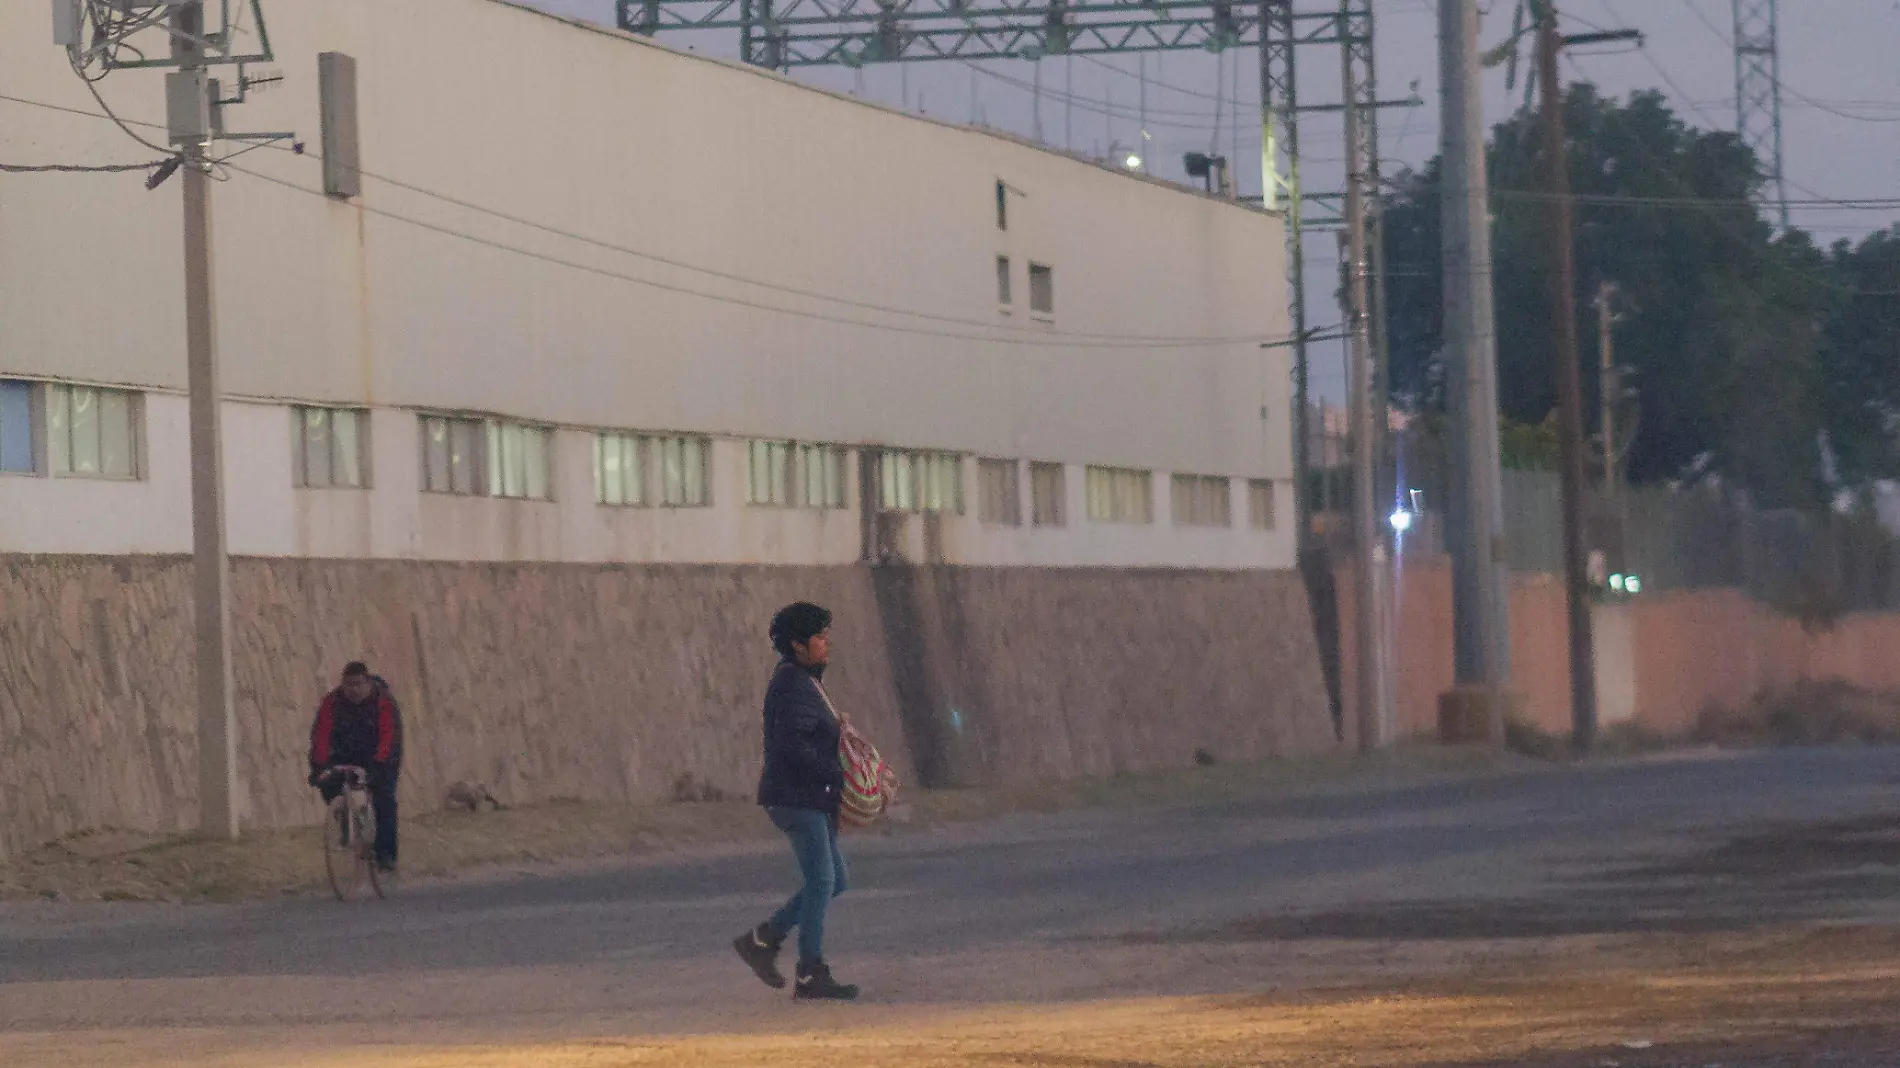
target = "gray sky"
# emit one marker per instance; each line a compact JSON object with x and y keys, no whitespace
{"x":1838,"y":60}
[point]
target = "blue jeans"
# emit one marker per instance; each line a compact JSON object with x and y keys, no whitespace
{"x":814,"y":838}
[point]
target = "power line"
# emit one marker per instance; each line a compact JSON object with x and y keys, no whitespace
{"x":1183,"y":90}
{"x":1078,"y":338}
{"x":1050,"y":341}
{"x":1100,"y":107}
{"x":1729,"y":42}
{"x":1663,"y":72}
{"x":80,"y":168}
{"x":1614,"y":200}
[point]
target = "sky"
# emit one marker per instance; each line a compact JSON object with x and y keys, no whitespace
{"x":1840,"y":77}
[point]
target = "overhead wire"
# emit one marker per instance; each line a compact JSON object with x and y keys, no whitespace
{"x":79,"y":168}
{"x":1036,"y":336}
{"x":1043,"y":341}
{"x":1728,"y":41}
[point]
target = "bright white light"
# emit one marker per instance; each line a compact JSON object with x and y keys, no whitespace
{"x":1401,"y":521}
{"x":1133,"y":161}
{"x":1633,"y":584}
{"x":1616,"y":583}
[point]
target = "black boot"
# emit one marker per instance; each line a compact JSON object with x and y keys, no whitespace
{"x":759,"y":949}
{"x":816,"y":984}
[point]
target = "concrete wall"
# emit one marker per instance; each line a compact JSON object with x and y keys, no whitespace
{"x":1661,"y":659}
{"x":616,"y":160}
{"x":609,"y":682}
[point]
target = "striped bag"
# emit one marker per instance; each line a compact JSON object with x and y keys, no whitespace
{"x":869,"y":784}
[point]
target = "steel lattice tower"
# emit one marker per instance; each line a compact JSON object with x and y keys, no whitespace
{"x":1758,"y":91}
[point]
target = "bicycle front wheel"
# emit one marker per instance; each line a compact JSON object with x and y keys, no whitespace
{"x":366,"y":849}
{"x":342,"y":860}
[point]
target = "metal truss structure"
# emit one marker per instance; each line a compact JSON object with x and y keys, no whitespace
{"x":1758,"y":91}
{"x":852,"y":33}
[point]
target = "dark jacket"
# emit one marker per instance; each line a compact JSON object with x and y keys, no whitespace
{"x":802,"y":769}
{"x":368,"y":735}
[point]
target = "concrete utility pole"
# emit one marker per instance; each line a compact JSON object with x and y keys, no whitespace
{"x":1369,"y":548}
{"x":1480,"y":581}
{"x":1583,"y":689}
{"x":217,"y":749}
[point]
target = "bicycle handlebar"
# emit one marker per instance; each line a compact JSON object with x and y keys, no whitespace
{"x":350,"y":773}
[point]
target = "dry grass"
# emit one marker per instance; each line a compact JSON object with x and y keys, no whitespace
{"x":126,"y":866}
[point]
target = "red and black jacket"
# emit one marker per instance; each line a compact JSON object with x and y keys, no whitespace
{"x":368,"y":735}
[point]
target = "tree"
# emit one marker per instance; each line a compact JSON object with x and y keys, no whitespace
{"x":1862,"y":360}
{"x":1722,"y":326}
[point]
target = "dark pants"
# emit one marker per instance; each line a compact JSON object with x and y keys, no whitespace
{"x":382,"y":802}
{"x":814,"y":838}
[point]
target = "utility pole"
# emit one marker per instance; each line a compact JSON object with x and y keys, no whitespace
{"x":211,"y":564}
{"x":1480,"y":581}
{"x":1583,"y":690}
{"x":1606,"y":388}
{"x":1369,"y":549}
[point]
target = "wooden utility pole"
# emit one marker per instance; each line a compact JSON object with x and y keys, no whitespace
{"x":1606,"y":388}
{"x":1563,"y":311}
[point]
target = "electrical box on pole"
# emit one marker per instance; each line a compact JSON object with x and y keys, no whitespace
{"x":67,"y":20}
{"x":188,"y":106}
{"x":336,"y":97}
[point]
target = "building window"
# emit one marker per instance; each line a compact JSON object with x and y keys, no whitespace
{"x":1002,"y":204}
{"x":17,"y":454}
{"x":452,"y":455}
{"x":685,"y":471}
{"x":1003,"y":296}
{"x":1120,"y":495}
{"x":920,"y":482}
{"x":1048,"y":492}
{"x":1203,"y":501}
{"x":519,"y":458}
{"x":94,"y":431}
{"x":999,"y":484}
{"x":1260,"y":503}
{"x":1042,"y":289}
{"x":620,"y":474}
{"x":331,"y":447}
{"x":769,"y":473}
{"x":822,"y":478}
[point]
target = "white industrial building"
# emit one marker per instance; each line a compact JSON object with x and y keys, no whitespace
{"x":603,"y":301}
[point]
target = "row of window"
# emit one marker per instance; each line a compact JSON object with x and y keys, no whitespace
{"x":90,"y":432}
{"x":95,"y":432}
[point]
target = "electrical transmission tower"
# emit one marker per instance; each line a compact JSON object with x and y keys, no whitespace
{"x":1758,"y":91}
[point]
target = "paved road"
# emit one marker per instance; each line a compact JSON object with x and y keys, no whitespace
{"x":1093,"y":904}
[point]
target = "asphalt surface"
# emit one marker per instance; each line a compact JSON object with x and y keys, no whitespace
{"x":1045,"y":908}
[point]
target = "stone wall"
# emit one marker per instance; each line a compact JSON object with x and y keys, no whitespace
{"x":610,"y":682}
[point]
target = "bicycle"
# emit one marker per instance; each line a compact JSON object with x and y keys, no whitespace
{"x":349,"y":834}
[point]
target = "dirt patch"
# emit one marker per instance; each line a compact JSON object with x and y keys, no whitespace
{"x":1814,"y":713}
{"x":1798,"y":998}
{"x":115,"y":865}
{"x":1797,"y":872}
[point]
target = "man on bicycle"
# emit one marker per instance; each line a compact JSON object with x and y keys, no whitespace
{"x":359,"y":724}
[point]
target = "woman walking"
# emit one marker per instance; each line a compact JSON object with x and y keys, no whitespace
{"x":800,"y":790}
